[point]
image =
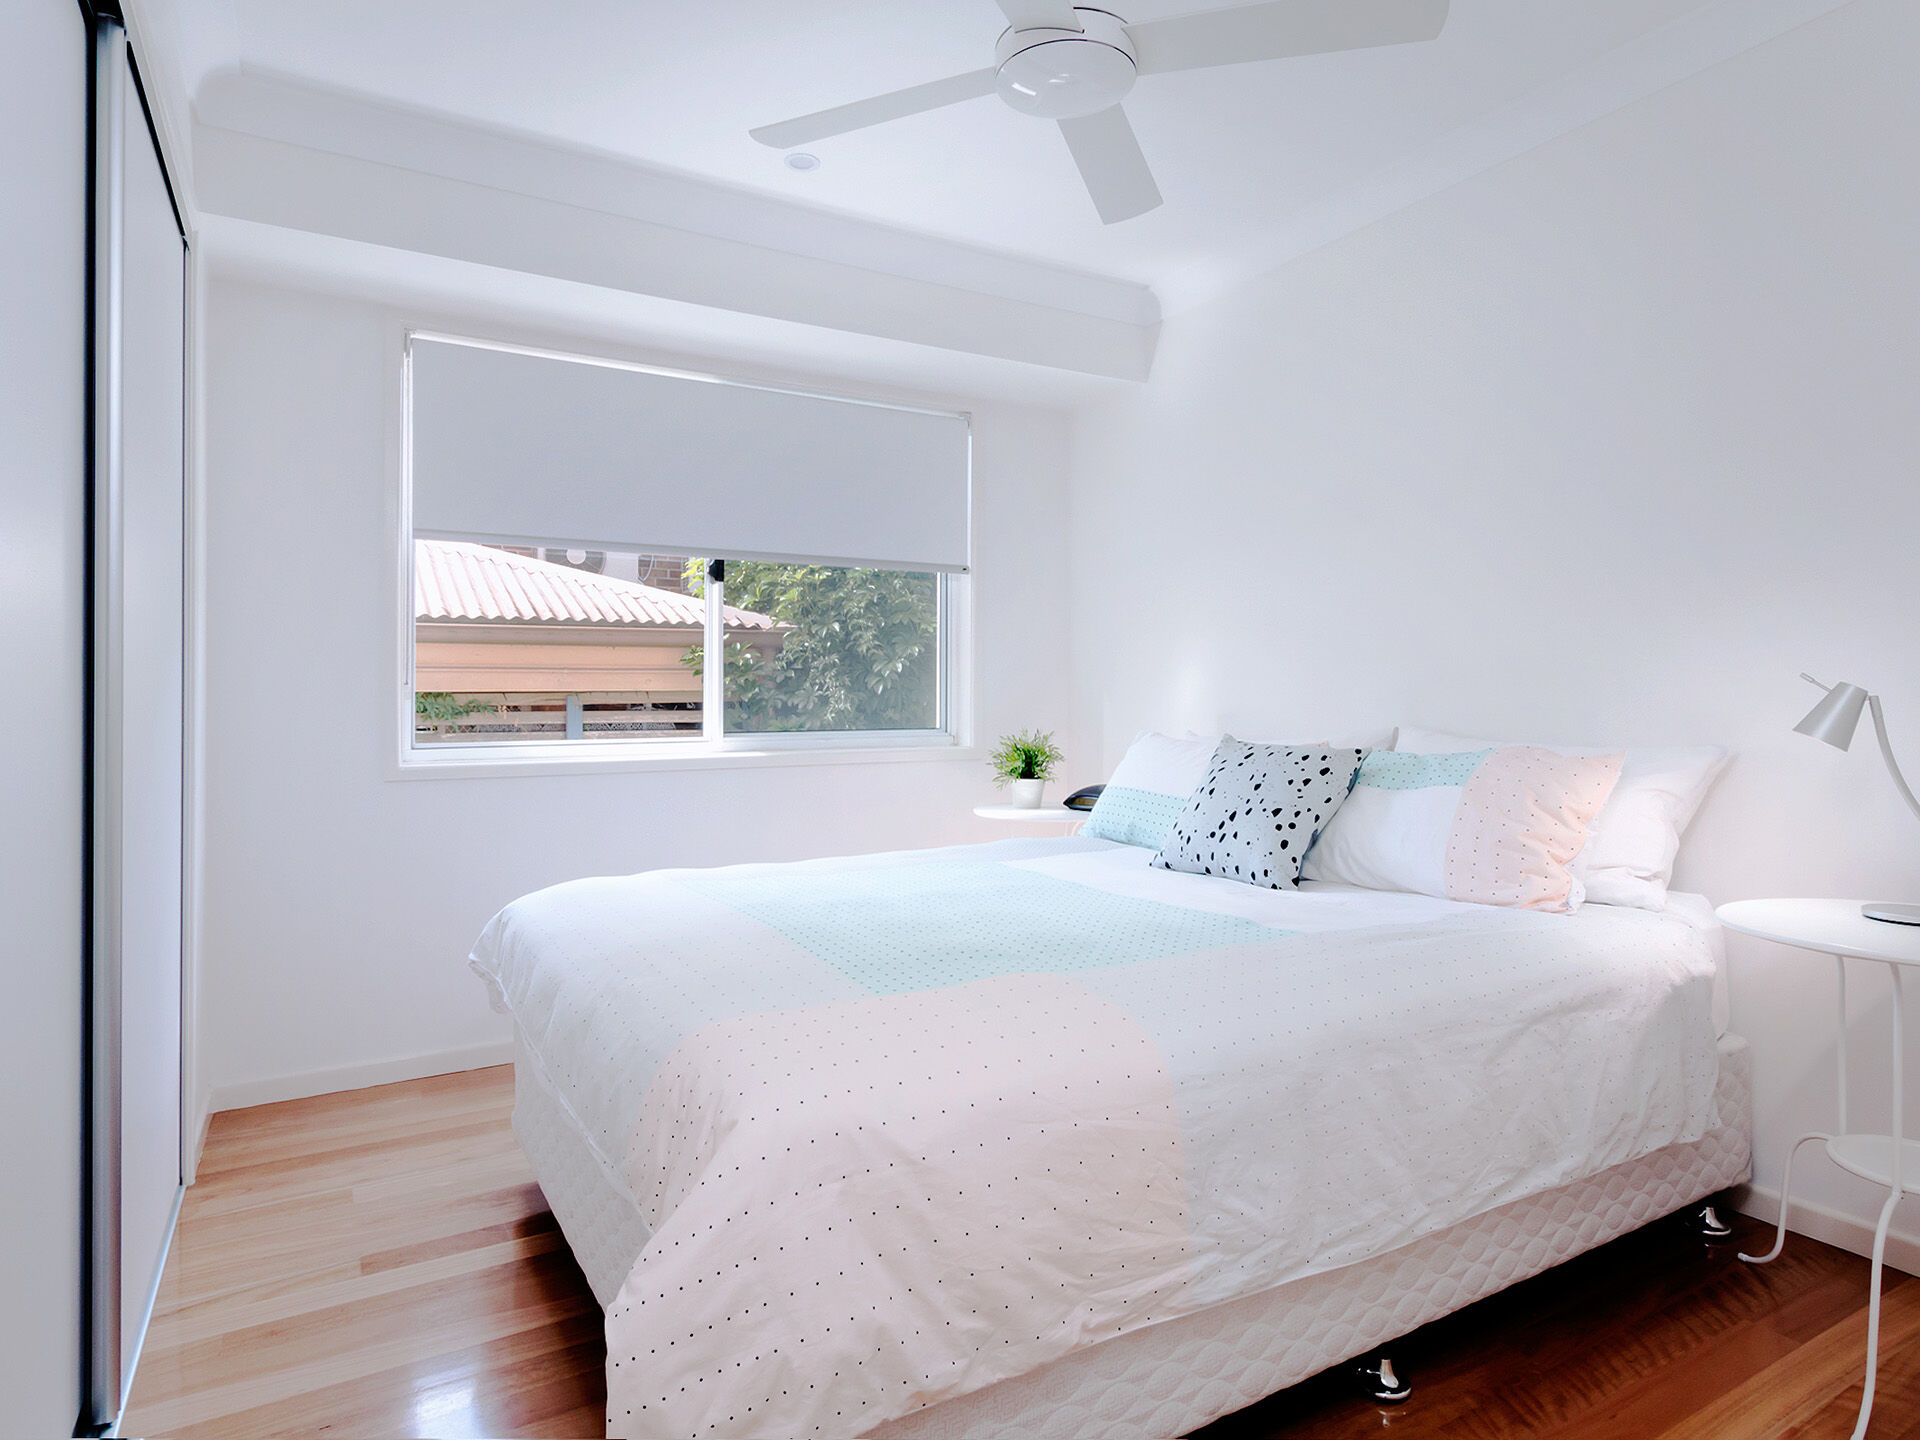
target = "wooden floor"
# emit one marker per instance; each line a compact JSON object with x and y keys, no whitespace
{"x":381,"y":1263}
{"x":378,"y":1263}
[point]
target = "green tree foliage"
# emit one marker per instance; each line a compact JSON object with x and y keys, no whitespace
{"x":863,"y":653}
{"x":438,"y":705}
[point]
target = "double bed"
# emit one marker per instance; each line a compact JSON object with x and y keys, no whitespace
{"x":1034,"y":1139}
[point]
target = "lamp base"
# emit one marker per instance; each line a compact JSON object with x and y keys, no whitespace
{"x":1892,"y":914}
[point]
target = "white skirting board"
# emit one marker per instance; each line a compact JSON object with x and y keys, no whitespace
{"x":197,"y":1122}
{"x":358,"y":1077}
{"x":1848,"y":1232}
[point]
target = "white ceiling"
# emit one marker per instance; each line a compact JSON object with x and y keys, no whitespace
{"x":1241,"y":153}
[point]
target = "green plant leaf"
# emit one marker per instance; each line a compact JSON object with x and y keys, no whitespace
{"x":1024,"y":755}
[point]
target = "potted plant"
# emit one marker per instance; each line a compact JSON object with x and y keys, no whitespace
{"x":1025,"y":762}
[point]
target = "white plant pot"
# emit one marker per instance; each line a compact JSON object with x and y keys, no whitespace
{"x":1026,"y":793}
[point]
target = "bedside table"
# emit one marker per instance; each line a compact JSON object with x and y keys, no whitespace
{"x":1034,"y":815}
{"x":1837,"y":928}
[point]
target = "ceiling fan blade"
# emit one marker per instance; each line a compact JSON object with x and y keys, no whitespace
{"x":1110,"y":161}
{"x":1040,"y":14}
{"x":861,"y":113}
{"x":1276,"y":29}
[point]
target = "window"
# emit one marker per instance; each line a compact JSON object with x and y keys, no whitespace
{"x":518,"y":643}
{"x":526,"y":643}
{"x":522,"y":640}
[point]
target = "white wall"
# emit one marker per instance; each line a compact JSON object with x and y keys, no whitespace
{"x":1607,"y":444}
{"x":43,"y":486}
{"x":340,"y":902}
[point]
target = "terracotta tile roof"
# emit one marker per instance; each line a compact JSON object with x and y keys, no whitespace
{"x":454,"y":581}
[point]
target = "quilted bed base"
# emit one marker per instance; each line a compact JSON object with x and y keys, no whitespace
{"x":1174,"y":1377}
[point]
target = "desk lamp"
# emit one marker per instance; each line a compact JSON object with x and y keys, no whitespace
{"x":1834,"y":720}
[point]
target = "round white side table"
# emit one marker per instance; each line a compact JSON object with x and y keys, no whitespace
{"x":1837,"y":928}
{"x":1034,"y":815}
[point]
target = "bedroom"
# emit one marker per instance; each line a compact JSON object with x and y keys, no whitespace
{"x":1546,"y":378}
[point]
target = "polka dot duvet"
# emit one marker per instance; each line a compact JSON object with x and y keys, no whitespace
{"x":904,"y":1126}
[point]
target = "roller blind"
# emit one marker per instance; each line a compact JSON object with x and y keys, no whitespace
{"x":513,"y":446}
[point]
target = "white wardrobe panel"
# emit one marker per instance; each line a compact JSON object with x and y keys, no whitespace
{"x":138,"y":769}
{"x":43,"y":287}
{"x":152,"y":522}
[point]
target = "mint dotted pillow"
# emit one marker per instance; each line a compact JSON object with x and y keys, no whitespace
{"x":1146,"y":790}
{"x":1133,"y":817}
{"x":1256,"y":814}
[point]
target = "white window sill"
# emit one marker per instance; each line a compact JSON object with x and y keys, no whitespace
{"x":641,"y":757}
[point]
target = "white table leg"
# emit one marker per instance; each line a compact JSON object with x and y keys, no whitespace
{"x":1786,"y":1180}
{"x":1786,"y":1191}
{"x":1840,"y":966}
{"x":1873,"y":1316}
{"x":1886,"y":1211}
{"x":1899,"y":1079}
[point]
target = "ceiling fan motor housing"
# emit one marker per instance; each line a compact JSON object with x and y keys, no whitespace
{"x":1059,"y":74}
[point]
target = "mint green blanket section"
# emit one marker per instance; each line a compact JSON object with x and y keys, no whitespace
{"x":892,"y":929}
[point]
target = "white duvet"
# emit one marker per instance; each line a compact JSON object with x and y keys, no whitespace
{"x":906,"y":1125}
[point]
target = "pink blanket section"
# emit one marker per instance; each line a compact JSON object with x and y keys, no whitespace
{"x":919,"y":1195}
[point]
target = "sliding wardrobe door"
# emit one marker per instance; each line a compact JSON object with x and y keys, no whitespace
{"x":140,"y":696}
{"x":44,"y":62}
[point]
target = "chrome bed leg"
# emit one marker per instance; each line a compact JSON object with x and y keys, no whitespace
{"x":1380,"y":1381}
{"x":1708,"y":1223}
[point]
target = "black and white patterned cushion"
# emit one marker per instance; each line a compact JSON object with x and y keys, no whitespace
{"x":1256,"y":814}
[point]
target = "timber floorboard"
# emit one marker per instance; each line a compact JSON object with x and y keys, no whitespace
{"x":381,"y":1263}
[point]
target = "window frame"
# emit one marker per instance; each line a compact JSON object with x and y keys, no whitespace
{"x":714,"y":747}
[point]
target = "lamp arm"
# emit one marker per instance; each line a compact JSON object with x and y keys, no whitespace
{"x":1886,"y":753}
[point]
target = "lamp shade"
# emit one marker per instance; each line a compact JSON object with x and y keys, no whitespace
{"x":1835,"y":717}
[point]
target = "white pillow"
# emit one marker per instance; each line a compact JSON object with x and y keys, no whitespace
{"x":1149,"y":787}
{"x":1629,"y":856}
{"x":1498,"y":825}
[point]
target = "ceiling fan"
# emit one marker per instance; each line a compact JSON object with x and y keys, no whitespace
{"x":1074,"y":63}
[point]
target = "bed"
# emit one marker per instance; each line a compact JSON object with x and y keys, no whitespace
{"x":1030,"y":1138}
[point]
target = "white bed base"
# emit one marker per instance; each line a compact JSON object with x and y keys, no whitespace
{"x":1173,"y":1377}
